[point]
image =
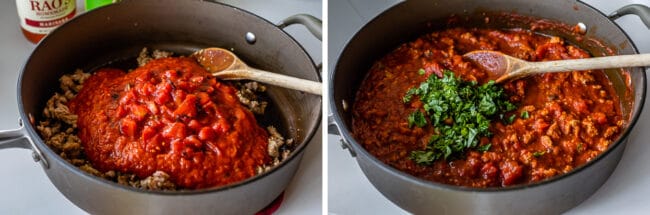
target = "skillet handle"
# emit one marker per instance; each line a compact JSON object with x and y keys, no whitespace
{"x":18,"y":138}
{"x":640,"y":10}
{"x":313,"y":24}
{"x":333,"y":128}
{"x":14,"y":139}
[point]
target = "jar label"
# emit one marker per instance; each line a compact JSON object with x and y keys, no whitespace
{"x":42,"y":16}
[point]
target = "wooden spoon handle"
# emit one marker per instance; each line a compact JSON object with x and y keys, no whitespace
{"x":620,"y":61}
{"x":272,"y":79}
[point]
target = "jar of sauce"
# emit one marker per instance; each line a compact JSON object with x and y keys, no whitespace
{"x":39,"y":17}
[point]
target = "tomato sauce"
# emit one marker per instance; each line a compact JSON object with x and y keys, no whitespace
{"x":571,"y":117}
{"x":170,"y":115}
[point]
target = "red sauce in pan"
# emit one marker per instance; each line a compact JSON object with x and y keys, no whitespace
{"x":573,"y":117}
{"x":169,"y":115}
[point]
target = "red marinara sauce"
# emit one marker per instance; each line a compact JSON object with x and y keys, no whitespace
{"x":169,"y":115}
{"x":572,"y":117}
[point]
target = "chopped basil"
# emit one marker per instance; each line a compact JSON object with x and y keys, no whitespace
{"x":511,"y":119}
{"x":524,"y":115}
{"x":539,"y":153}
{"x":417,"y":118}
{"x":460,"y":111}
{"x":422,"y":156}
{"x":484,"y":148}
{"x":421,"y":71}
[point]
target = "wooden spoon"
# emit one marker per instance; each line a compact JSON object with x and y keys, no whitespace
{"x":501,"y":67}
{"x":227,"y":66}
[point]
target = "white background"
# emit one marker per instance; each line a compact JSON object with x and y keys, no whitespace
{"x":24,"y":187}
{"x":626,"y":191}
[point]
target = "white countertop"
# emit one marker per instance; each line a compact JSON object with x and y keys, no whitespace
{"x":24,"y":187}
{"x":349,"y":192}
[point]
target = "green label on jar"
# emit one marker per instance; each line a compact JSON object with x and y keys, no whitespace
{"x":92,"y":4}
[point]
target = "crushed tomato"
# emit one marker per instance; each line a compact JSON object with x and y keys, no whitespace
{"x":170,"y":115}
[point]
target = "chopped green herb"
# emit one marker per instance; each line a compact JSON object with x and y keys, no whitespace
{"x":423,"y":156}
{"x":524,"y":115}
{"x":539,"y":153}
{"x":421,"y":71}
{"x":417,"y":118}
{"x":511,"y":119}
{"x":484,"y":148}
{"x":460,"y":111}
